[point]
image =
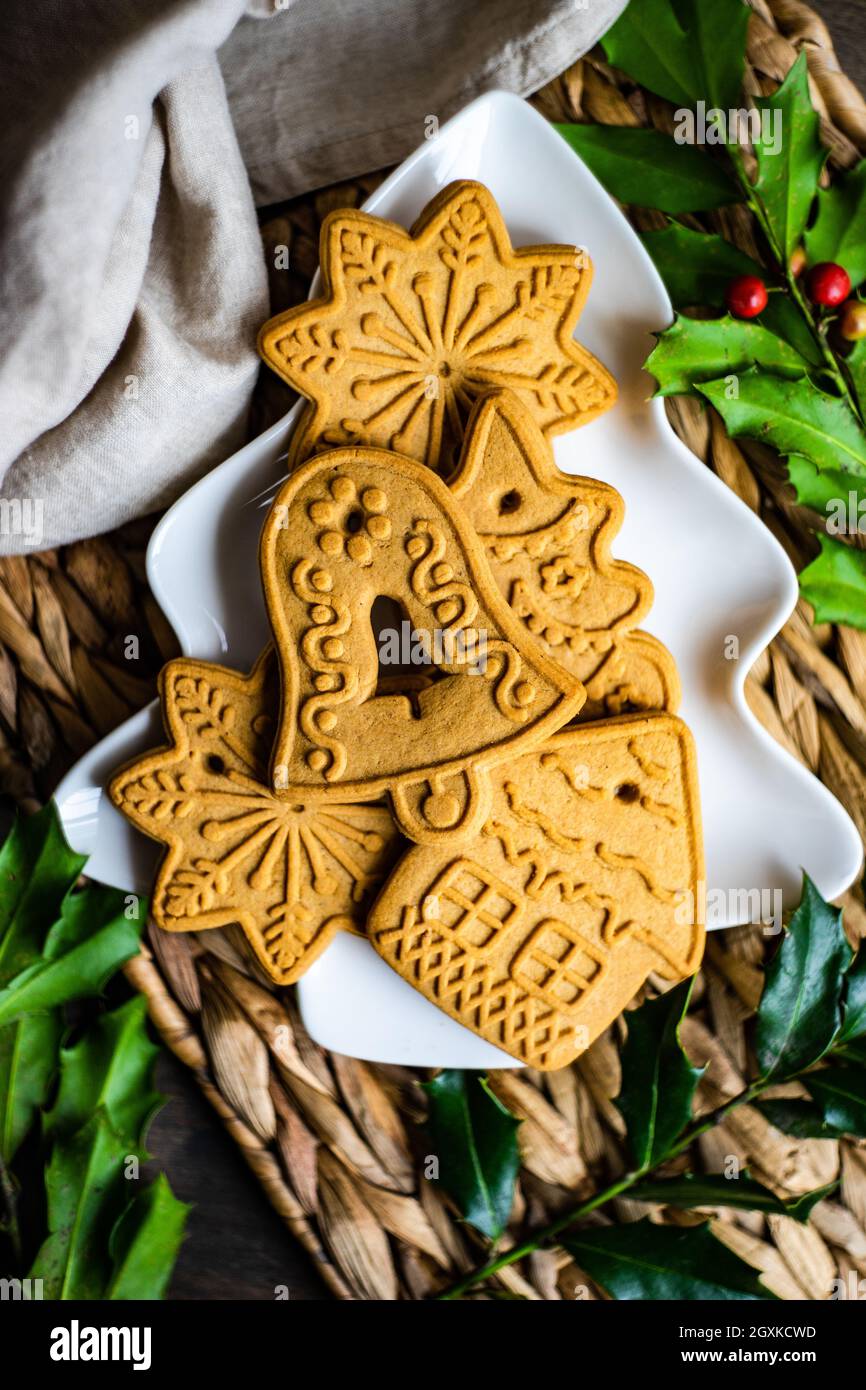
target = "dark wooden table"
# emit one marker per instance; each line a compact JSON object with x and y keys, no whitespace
{"x":236,"y":1247}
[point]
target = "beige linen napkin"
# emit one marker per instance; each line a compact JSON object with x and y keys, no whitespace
{"x":136,"y":137}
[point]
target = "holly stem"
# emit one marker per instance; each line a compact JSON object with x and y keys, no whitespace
{"x":756,"y":207}
{"x":600,"y":1199}
{"x":834,"y":368}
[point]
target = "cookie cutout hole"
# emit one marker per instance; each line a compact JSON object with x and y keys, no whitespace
{"x":215,"y":764}
{"x":354,"y":522}
{"x":510,"y":502}
{"x":628,"y":792}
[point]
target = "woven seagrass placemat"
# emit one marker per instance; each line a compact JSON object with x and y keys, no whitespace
{"x":335,"y":1142}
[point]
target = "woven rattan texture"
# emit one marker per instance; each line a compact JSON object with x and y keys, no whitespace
{"x":334,"y":1142}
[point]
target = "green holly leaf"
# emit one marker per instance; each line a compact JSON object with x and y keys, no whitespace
{"x":854,"y":1003}
{"x":835,"y":583}
{"x":105,"y":1101}
{"x":474,"y":1138}
{"x":794,"y":416}
{"x":685,"y":52}
{"x":834,"y":492}
{"x":841,"y":1094}
{"x":28,"y":1062}
{"x":791,"y":160}
{"x":644,"y":1261}
{"x":697,"y":268}
{"x":855,"y":363}
{"x":658,"y":1080}
{"x":145,"y":1242}
{"x":714,"y":1190}
{"x":110,"y":1068}
{"x":86,"y":1191}
{"x":802,"y":1119}
{"x":649,"y":43}
{"x":650,"y":169}
{"x":839,"y":233}
{"x":800,"y":1009}
{"x":81,"y":952}
{"x":37,"y":871}
{"x":694,"y":350}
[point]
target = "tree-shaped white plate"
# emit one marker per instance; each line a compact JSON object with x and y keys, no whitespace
{"x":722,"y":585}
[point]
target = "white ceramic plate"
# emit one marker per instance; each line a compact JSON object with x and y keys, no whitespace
{"x":718,"y":574}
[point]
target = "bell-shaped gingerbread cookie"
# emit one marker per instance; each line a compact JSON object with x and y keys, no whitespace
{"x":357,"y":525}
{"x":548,"y":535}
{"x":289,"y":874}
{"x":586,"y":876}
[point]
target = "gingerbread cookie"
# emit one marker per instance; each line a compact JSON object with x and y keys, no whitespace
{"x":413,"y":325}
{"x":585,"y":878}
{"x":291,"y":875}
{"x":548,"y":536}
{"x":357,"y":525}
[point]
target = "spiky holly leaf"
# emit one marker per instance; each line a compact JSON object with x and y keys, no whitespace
{"x":46,"y":960}
{"x":790,"y":158}
{"x":697,"y":268}
{"x":831,"y":491}
{"x":802,"y":1119}
{"x":97,"y":1124}
{"x":854,"y":1004}
{"x":794,"y":416}
{"x":644,"y":1261}
{"x":835,"y":583}
{"x":99,"y":929}
{"x":474,"y":1138}
{"x":658,"y":1080}
{"x":855,"y":364}
{"x":800,"y":1009}
{"x":694,"y":350}
{"x":28,"y":1062}
{"x":145,"y":1242}
{"x":841,"y":1094}
{"x":686,"y":51}
{"x":86,"y":1191}
{"x":650,"y":169}
{"x":111,"y":1068}
{"x":839,"y":232}
{"x":37,"y":871}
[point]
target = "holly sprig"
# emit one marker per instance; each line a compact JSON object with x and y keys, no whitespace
{"x":777,"y":346}
{"x":76,"y":1083}
{"x":809,"y":1028}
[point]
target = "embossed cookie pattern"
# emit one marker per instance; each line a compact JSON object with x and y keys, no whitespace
{"x":412,"y":326}
{"x":548,"y":536}
{"x":290,"y":874}
{"x":360,"y":524}
{"x":585,"y":878}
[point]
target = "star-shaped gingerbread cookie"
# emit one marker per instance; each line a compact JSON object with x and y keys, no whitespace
{"x":413,"y":326}
{"x":289,"y":874}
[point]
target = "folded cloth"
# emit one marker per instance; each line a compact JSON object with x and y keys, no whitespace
{"x":136,"y":137}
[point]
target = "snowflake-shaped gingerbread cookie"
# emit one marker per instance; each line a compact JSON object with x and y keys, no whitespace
{"x":290,"y":874}
{"x":414,"y":326}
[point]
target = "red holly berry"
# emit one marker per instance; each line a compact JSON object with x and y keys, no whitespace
{"x":828,"y":284}
{"x":746,"y":296}
{"x":852,"y":320}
